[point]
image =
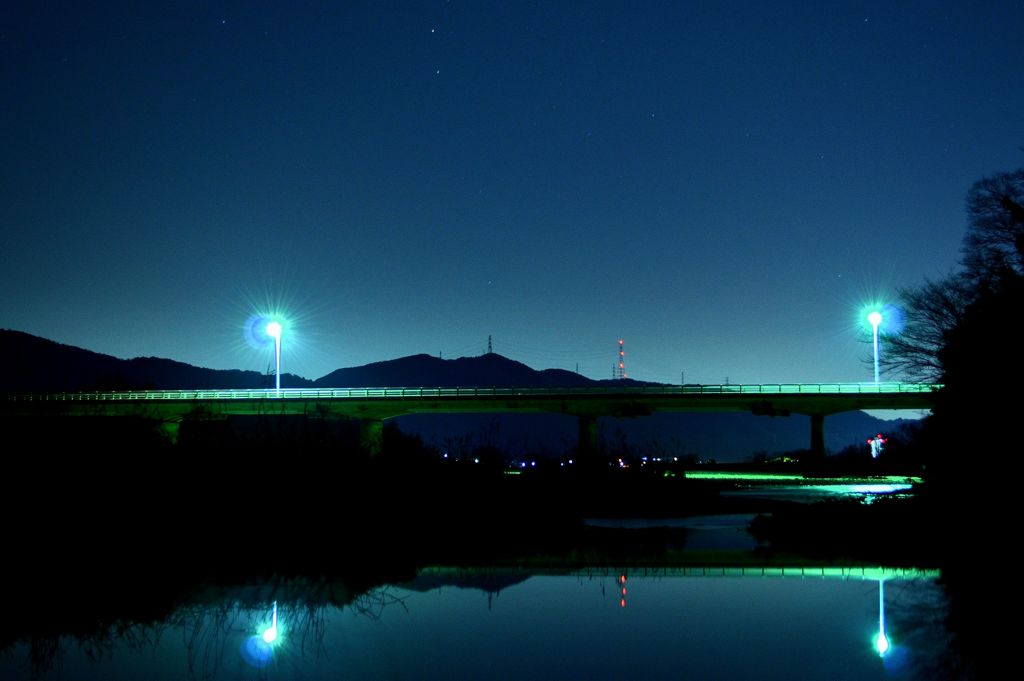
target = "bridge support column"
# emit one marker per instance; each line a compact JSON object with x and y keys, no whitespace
{"x":817,"y":435}
{"x":169,"y":429}
{"x":587,"y":445}
{"x":371,"y":436}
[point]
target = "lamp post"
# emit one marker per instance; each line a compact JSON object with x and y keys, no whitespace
{"x":875,"y":318}
{"x":274,"y":330}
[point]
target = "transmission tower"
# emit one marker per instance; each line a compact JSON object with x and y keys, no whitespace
{"x":619,"y":368}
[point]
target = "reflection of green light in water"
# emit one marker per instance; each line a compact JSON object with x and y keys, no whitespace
{"x":855,"y":490}
{"x":729,"y":475}
{"x":898,"y":482}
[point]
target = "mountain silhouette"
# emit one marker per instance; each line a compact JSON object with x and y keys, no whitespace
{"x":39,"y":365}
{"x":42,"y":365}
{"x":486,"y":370}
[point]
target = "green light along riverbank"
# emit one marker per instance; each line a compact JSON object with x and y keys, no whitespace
{"x":746,"y":476}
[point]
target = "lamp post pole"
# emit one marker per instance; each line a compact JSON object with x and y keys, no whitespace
{"x":274,"y":329}
{"x":875,"y":318}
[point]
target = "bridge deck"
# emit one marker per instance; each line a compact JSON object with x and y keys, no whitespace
{"x":407,"y":392}
{"x":381,"y":403}
{"x":373,"y":405}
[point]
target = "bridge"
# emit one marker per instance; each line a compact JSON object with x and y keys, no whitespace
{"x":853,"y":573}
{"x":372,"y":406}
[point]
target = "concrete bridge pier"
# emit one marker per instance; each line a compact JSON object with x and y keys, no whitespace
{"x":169,"y":429}
{"x":817,"y":435}
{"x":371,"y":436}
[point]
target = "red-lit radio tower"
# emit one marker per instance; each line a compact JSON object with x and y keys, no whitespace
{"x":619,"y":368}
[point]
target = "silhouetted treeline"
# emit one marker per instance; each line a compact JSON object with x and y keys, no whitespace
{"x":963,"y":330}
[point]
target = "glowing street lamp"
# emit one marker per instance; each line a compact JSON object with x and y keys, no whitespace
{"x":875,"y":319}
{"x":274,"y":330}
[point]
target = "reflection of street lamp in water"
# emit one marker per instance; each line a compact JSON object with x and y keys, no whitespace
{"x":882,"y":641}
{"x":274,"y":331}
{"x":270,"y":633}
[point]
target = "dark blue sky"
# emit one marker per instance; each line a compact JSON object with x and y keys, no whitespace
{"x":722,"y":185}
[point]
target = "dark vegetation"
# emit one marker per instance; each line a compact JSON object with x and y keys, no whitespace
{"x":972,"y":433}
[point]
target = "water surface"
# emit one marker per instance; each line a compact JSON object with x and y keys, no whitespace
{"x":513,"y":624}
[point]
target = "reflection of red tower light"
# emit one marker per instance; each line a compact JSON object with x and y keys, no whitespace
{"x":622,"y":585}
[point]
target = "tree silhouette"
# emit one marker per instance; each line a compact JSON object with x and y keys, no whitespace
{"x":994,"y":244}
{"x":992,"y":260}
{"x":962,"y":331}
{"x":931,"y":312}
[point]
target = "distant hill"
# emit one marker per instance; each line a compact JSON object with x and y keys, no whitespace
{"x":42,"y":365}
{"x":39,"y":365}
{"x":484,"y":371}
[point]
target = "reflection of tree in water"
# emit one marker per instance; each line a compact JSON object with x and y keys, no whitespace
{"x":372,"y":603}
{"x":213,"y":630}
{"x":212,"y":633}
{"x":45,"y":653}
{"x":915,"y":613}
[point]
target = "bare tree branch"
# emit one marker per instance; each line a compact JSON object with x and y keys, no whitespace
{"x":992,"y":254}
{"x":932,"y":311}
{"x":994,"y":243}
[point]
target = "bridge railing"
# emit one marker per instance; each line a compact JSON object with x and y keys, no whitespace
{"x":399,"y":393}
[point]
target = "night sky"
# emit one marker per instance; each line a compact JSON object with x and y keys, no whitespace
{"x":722,"y":185}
